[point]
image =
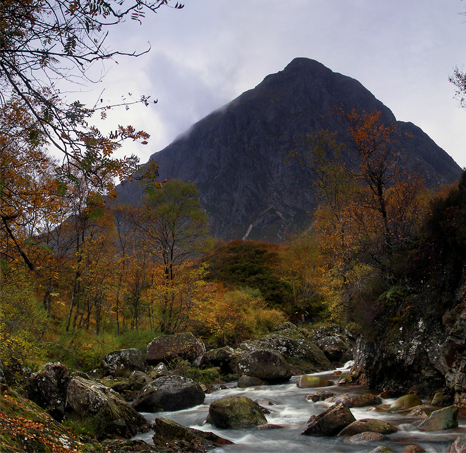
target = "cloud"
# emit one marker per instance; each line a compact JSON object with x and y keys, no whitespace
{"x":213,"y":50}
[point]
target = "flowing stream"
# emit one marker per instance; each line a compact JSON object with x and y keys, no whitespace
{"x":291,"y":408}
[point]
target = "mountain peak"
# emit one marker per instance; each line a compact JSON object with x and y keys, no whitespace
{"x":237,"y":155}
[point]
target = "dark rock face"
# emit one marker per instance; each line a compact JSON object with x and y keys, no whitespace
{"x":266,"y":365}
{"x":236,"y":412}
{"x":169,"y":393}
{"x":403,"y":361}
{"x":330,"y":422}
{"x":123,"y":362}
{"x":167,"y":347}
{"x":237,"y":155}
{"x":48,"y":388}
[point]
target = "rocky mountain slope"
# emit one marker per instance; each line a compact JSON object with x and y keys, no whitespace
{"x":237,"y":155}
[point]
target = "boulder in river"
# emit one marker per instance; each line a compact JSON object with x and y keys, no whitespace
{"x":413,"y":449}
{"x":367,"y":399}
{"x":368,"y":424}
{"x":406,"y":402}
{"x":250,"y":381}
{"x":330,"y":422}
{"x":123,"y":362}
{"x":169,"y":393}
{"x":236,"y":412}
{"x":170,"y":431}
{"x":445,"y":418}
{"x":266,"y":365}
{"x":307,"y":382}
{"x":167,"y":347}
{"x":320,"y":396}
{"x":381,"y":450}
{"x":458,"y":446}
{"x":365,"y":438}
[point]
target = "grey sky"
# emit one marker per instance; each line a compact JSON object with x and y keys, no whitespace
{"x":208,"y":53}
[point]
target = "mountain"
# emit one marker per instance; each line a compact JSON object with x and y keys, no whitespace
{"x":237,"y":155}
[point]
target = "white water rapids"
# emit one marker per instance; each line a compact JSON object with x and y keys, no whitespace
{"x":291,"y":408}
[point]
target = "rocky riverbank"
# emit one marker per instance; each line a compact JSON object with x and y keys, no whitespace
{"x":58,"y":409}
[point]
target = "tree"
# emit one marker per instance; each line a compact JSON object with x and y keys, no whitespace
{"x":384,"y":209}
{"x":459,"y":80}
{"x":369,"y":207}
{"x":175,"y":229}
{"x":60,"y":39}
{"x":42,"y":42}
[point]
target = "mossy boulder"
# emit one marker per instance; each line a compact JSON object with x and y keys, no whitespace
{"x":236,"y":412}
{"x":97,"y":404}
{"x":368,"y":425}
{"x":307,"y":382}
{"x":445,"y":418}
{"x":406,"y":402}
{"x":226,"y":358}
{"x":333,"y":346}
{"x":25,"y":426}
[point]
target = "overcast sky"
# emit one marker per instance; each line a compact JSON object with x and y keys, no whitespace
{"x":210,"y":52}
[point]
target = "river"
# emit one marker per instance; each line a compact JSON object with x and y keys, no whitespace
{"x":292,"y":409}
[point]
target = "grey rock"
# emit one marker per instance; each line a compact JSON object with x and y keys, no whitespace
{"x":122,"y":362}
{"x":266,"y":365}
{"x":236,"y":412}
{"x":169,"y":393}
{"x":167,"y":347}
{"x":445,"y":418}
{"x":88,"y":399}
{"x":330,"y":422}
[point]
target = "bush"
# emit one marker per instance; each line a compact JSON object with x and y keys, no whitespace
{"x":23,"y":321}
{"x":233,"y":316}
